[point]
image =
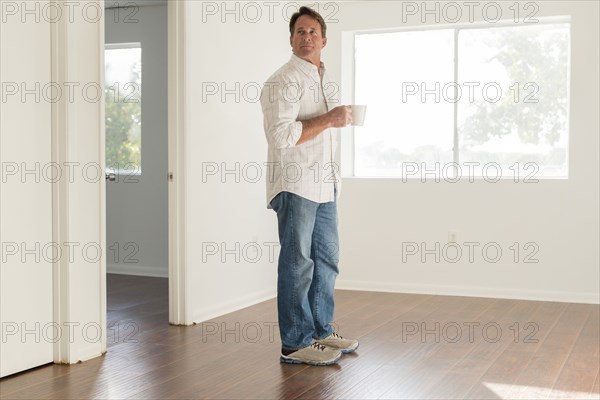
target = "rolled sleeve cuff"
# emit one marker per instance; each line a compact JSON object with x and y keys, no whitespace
{"x":295,"y":133}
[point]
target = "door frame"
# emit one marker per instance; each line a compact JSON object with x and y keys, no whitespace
{"x":177,"y":204}
{"x":65,"y":351}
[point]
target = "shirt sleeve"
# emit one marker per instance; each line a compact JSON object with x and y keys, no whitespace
{"x":280,"y":101}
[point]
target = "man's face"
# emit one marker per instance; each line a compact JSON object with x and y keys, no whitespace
{"x":307,"y":40}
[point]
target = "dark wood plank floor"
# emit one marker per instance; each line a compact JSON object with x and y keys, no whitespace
{"x":412,"y":347}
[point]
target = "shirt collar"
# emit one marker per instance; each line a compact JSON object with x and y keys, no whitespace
{"x":307,"y":67}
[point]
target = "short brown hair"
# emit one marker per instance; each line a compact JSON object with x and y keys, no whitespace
{"x":311,"y":13}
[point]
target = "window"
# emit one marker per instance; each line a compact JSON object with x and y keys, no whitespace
{"x":123,"y":84}
{"x":475,"y":102}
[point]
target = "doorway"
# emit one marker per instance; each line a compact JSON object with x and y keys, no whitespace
{"x":136,"y":140}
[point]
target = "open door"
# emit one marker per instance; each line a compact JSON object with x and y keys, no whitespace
{"x":28,"y":331}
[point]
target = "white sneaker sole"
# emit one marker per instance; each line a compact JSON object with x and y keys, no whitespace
{"x":291,"y":360}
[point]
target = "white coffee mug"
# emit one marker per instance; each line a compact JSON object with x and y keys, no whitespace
{"x":358,"y":115}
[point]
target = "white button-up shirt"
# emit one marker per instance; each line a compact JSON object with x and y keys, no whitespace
{"x":296,"y":92}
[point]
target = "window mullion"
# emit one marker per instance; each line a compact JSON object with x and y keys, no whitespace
{"x":456,"y":144}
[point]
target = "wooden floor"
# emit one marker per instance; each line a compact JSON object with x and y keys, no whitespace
{"x":411,"y":347}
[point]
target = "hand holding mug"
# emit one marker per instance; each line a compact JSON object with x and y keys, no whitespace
{"x":341,"y":116}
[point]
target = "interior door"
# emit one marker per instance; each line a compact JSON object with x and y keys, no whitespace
{"x":28,"y":331}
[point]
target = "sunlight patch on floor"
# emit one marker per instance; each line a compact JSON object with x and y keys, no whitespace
{"x":507,"y":391}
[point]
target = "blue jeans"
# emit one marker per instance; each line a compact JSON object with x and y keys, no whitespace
{"x":308,"y":267}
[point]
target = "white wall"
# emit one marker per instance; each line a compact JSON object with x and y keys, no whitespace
{"x":228,"y":132}
{"x":377,"y":215}
{"x":561,"y":216}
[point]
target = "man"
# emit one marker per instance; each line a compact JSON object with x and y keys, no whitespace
{"x":302,"y":188}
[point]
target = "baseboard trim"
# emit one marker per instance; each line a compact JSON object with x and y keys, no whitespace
{"x":501,"y":293}
{"x":138,"y":270}
{"x":87,"y":353}
{"x":233,"y":305}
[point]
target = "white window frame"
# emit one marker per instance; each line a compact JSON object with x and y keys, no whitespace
{"x":348,"y":77}
{"x":118,"y":46}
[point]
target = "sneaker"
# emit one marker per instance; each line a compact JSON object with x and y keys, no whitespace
{"x":315,"y":354}
{"x":335,"y":341}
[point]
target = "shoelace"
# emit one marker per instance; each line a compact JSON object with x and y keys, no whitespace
{"x":337,"y":336}
{"x":318,"y":346}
